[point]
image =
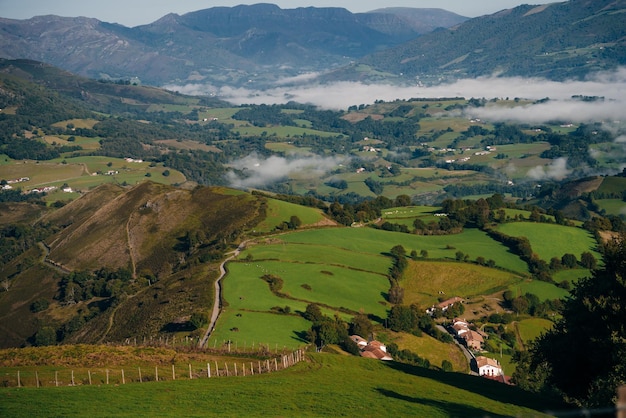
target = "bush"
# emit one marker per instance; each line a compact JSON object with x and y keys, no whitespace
{"x":39,"y":305}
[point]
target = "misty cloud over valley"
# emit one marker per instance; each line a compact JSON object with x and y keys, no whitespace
{"x":611,"y":86}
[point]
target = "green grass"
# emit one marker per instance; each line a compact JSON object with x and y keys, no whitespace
{"x":613,"y":185}
{"x":543,"y":290}
{"x":550,"y":240}
{"x":614,"y":207}
{"x":423,"y":281}
{"x":327,"y":385}
{"x":279,"y":211}
{"x":472,"y":242}
{"x":531,"y":328}
{"x":571,"y":276}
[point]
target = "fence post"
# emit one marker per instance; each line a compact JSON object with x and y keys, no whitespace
{"x":251,"y":369}
{"x":156,"y":373}
{"x":73,"y":378}
{"x":139,"y":369}
{"x":243,"y":368}
{"x":226,"y":365}
{"x":173,"y":373}
{"x":37,"y":377}
{"x":621,"y":402}
{"x":107,"y":376}
{"x":56,"y":378}
{"x":89,"y":374}
{"x":190,"y":376}
{"x":235,"y":369}
{"x":19,"y":381}
{"x":123,"y":378}
{"x":275,"y":363}
{"x":208,"y":370}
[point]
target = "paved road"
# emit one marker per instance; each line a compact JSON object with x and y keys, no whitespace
{"x":468,"y":354}
{"x":217,"y":302}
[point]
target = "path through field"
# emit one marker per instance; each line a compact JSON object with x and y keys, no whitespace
{"x":217,"y":305}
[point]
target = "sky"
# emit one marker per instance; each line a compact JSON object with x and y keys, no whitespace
{"x":138,"y":12}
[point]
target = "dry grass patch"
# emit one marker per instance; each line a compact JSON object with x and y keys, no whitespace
{"x":425,"y":282}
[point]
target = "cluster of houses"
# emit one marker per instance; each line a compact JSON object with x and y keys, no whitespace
{"x":8,"y":184}
{"x":473,"y":339}
{"x":372,"y":348}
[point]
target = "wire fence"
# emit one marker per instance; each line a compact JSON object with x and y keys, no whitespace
{"x":47,"y":377}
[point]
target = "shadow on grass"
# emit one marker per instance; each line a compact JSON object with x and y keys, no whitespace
{"x":484,"y":387}
{"x":450,"y":408}
{"x":300,"y":336}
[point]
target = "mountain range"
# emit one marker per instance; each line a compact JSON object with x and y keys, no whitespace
{"x":221,"y":45}
{"x":260,"y":45}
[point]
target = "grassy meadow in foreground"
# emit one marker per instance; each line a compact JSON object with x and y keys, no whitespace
{"x":326,"y":385}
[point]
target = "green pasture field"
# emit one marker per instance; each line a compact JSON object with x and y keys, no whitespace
{"x":407,"y":215}
{"x":423,"y":281}
{"x":442,"y":124}
{"x":472,"y":242}
{"x":571,"y":276}
{"x":543,"y":290}
{"x":221,"y":113}
{"x":247,"y":329}
{"x":325,"y":385}
{"x":550,"y":240}
{"x":287,"y":148}
{"x":78,"y":123}
{"x":79,"y":172}
{"x":40,"y":173}
{"x":182,"y":108}
{"x":411,"y":212}
{"x":520,"y":150}
{"x":280,"y":131}
{"x":531,"y":328}
{"x":429,"y":348}
{"x":615,"y":207}
{"x":333,"y":286}
{"x":319,"y":254}
{"x":279,"y":211}
{"x":392,"y":191}
{"x":303,"y":122}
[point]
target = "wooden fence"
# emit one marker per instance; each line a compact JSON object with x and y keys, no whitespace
{"x":122,"y":376}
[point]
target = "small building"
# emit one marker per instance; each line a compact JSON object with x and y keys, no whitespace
{"x":444,"y":305}
{"x":371,"y":349}
{"x":473,"y":340}
{"x":488,"y":367}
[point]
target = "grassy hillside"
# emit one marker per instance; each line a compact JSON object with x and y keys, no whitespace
{"x":122,"y":262}
{"x":326,"y":385}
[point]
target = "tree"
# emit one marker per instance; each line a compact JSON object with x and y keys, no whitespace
{"x":198,"y":320}
{"x":313,"y":313}
{"x":361,"y":325}
{"x":294,"y":222}
{"x":569,"y":260}
{"x":584,"y":354}
{"x":587,"y":260}
{"x":45,"y":336}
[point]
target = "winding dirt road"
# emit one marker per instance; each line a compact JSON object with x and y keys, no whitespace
{"x":217,"y":302}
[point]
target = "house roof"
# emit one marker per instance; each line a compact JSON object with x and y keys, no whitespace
{"x":358,"y":339}
{"x":450,"y":301}
{"x":483,"y":361}
{"x":473,"y":336}
{"x":376,"y":353}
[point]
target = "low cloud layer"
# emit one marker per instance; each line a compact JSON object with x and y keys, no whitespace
{"x":557,"y":170}
{"x":609,"y":85}
{"x":259,"y":172}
